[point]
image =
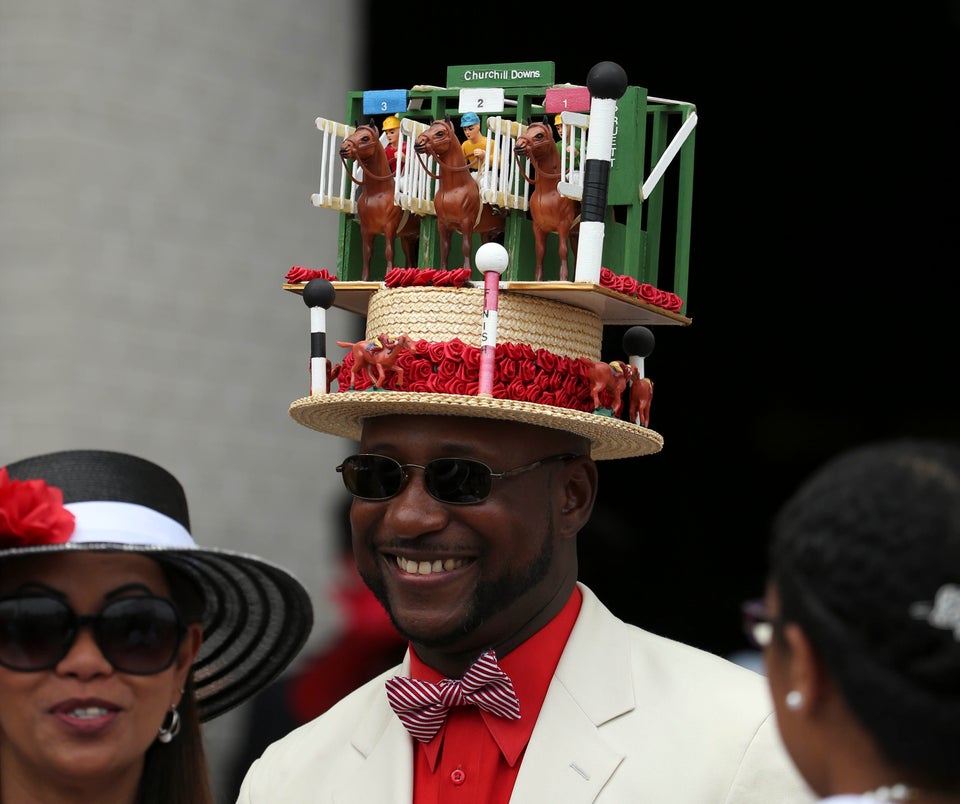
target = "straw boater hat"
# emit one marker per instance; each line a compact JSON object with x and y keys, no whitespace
{"x":544,"y":348}
{"x":257,"y":616}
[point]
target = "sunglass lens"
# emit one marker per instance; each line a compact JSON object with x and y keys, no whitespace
{"x":35,"y":632}
{"x":372,"y":477}
{"x":458,"y":480}
{"x":139,"y":634}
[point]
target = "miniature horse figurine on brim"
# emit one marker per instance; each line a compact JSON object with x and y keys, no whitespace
{"x":457,"y":196}
{"x":376,"y":209}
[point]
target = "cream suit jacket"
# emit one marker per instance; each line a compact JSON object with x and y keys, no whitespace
{"x":630,"y":717}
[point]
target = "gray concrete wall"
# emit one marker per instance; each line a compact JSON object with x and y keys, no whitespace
{"x":156,"y":163}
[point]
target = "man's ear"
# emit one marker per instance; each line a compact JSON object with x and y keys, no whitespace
{"x":578,"y":494}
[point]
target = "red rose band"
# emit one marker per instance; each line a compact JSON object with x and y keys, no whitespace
{"x":453,"y":367}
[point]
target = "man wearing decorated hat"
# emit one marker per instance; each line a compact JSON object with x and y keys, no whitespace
{"x":518,"y":685}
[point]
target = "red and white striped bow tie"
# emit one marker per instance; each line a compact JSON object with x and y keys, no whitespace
{"x":423,"y":705}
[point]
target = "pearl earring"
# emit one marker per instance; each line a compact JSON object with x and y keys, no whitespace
{"x":794,"y":699}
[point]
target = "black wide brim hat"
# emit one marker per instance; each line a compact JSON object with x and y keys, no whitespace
{"x":257,"y":616}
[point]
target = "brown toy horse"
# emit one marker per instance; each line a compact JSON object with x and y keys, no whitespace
{"x":376,"y":210}
{"x":610,"y":377}
{"x":378,"y":355}
{"x":641,"y":394}
{"x":549,"y":211}
{"x":457,"y":196}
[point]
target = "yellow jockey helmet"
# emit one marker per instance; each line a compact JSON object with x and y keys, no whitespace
{"x":391,"y":122}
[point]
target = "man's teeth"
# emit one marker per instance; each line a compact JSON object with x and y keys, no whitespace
{"x":87,"y":712}
{"x":428,"y":567}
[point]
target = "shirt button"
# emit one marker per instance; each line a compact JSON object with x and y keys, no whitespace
{"x":458,"y":776}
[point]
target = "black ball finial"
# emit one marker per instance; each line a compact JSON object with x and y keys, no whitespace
{"x":319,"y":292}
{"x":607,"y":80}
{"x":638,"y":341}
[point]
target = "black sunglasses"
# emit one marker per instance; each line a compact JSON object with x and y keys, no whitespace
{"x":458,"y":481}
{"x":137,"y":635}
{"x":758,"y":624}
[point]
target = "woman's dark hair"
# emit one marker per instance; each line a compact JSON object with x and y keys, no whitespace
{"x":858,"y":556}
{"x":177,"y":772}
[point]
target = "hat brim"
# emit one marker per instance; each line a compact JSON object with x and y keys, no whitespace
{"x":257,"y":617}
{"x":342,"y":414}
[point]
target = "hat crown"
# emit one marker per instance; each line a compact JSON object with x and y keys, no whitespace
{"x":106,"y":476}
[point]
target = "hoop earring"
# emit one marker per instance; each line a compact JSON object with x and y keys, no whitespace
{"x":794,"y":699}
{"x":167,"y":733}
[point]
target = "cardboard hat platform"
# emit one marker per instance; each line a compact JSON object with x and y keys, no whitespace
{"x":257,"y":616}
{"x":544,"y":352}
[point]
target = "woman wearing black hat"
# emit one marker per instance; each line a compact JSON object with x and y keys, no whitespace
{"x":119,"y":635}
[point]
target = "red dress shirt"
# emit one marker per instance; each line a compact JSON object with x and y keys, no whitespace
{"x":475,"y":757}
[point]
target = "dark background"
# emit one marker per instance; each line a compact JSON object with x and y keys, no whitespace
{"x":822,"y":273}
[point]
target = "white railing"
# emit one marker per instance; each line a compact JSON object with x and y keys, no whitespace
{"x":501,"y":183}
{"x":336,"y":190}
{"x":573,"y":153}
{"x":415,"y":189}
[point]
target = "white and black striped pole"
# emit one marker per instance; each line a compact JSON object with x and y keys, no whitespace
{"x":318,"y":295}
{"x":606,"y":81}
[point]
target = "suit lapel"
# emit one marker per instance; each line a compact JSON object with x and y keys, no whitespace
{"x":566,"y":759}
{"x":386,"y":776}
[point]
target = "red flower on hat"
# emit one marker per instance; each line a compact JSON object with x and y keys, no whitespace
{"x":300,"y":274}
{"x":31,"y":512}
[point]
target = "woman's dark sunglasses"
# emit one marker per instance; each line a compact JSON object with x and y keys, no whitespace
{"x":457,"y":481}
{"x":138,"y":635}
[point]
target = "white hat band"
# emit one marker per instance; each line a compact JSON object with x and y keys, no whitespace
{"x":126,"y":523}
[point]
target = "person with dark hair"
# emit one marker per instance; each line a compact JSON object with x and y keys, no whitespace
{"x":860,"y":626}
{"x":119,"y":635}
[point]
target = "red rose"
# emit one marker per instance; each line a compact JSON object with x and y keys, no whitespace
{"x":648,"y":293}
{"x":471,"y":359}
{"x":528,"y":371}
{"x":435,"y":352}
{"x":629,"y":286}
{"x":447,"y":368}
{"x":518,"y":390}
{"x":458,"y":385}
{"x":31,"y":512}
{"x":453,"y":350}
{"x":507,"y":370}
{"x":416,"y":374}
{"x":459,"y":277}
{"x":547,"y":361}
{"x":509,"y":351}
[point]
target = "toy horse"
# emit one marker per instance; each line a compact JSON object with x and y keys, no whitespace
{"x":376,"y":210}
{"x":549,"y":210}
{"x":376,"y":356}
{"x":611,"y":378}
{"x":457,"y":196}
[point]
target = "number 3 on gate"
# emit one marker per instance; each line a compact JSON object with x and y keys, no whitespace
{"x":384,"y":101}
